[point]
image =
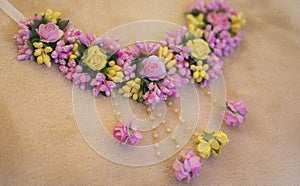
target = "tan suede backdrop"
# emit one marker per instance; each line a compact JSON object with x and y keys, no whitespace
{"x":40,"y":143}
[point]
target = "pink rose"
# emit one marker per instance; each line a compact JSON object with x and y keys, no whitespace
{"x":154,"y":68}
{"x":187,"y":166}
{"x":127,"y":134}
{"x":49,"y":33}
{"x":218,"y":19}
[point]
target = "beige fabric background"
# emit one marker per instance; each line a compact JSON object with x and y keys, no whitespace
{"x":40,"y":143}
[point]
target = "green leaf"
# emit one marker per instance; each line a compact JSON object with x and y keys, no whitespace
{"x":62,"y":24}
{"x":195,"y":12}
{"x":36,"y":23}
{"x":29,"y":43}
{"x":81,"y":49}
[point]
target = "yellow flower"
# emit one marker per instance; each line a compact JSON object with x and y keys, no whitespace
{"x":42,"y":54}
{"x":114,"y":72}
{"x":199,"y":72}
{"x":164,"y":54}
{"x":132,"y":89}
{"x":94,"y":58}
{"x":52,"y":16}
{"x":195,"y":30}
{"x":194,"y":23}
{"x":200,"y":48}
{"x":203,"y":149}
{"x":222,"y":137}
{"x":210,"y":142}
{"x":237,"y":22}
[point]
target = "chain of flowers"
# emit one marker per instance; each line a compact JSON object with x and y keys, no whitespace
{"x":148,"y":72}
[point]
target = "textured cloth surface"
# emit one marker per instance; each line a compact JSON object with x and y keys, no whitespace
{"x":40,"y":143}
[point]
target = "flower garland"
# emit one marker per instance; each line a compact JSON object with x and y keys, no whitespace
{"x":148,"y":72}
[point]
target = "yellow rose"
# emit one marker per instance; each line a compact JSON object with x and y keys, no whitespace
{"x":204,"y":149}
{"x":200,"y":48}
{"x":94,"y":58}
{"x":221,"y":137}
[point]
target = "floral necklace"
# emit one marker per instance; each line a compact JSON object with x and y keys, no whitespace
{"x":151,"y":72}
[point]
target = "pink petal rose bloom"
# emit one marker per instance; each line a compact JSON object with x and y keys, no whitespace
{"x":49,"y":33}
{"x":218,"y":19}
{"x":127,"y":134}
{"x":154,"y":68}
{"x":235,"y":113}
{"x":187,"y":166}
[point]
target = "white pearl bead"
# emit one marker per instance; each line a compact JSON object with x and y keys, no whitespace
{"x":175,"y":110}
{"x":189,"y":128}
{"x":158,"y":153}
{"x":159,"y":114}
{"x":173,"y":137}
{"x":177,"y":146}
{"x":156,"y":145}
{"x":170,"y":103}
{"x":168,"y":130}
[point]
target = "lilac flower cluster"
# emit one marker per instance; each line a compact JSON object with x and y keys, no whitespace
{"x":22,"y":37}
{"x":215,"y":68}
{"x":205,"y":6}
{"x":100,"y":84}
{"x":62,"y":52}
{"x":221,"y":33}
{"x":221,"y":41}
{"x":125,"y":58}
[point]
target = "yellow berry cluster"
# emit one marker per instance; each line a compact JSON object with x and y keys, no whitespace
{"x":194,"y":22}
{"x":51,"y":16}
{"x":42,"y":53}
{"x":163,"y":53}
{"x":237,"y":22}
{"x":75,"y":53}
{"x":199,"y":72}
{"x":114,"y":72}
{"x":132,"y":89}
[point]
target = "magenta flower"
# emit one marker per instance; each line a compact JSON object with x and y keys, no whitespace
{"x":127,"y":134}
{"x":88,"y":39}
{"x":218,"y":20}
{"x":101,"y":85}
{"x":235,"y":113}
{"x":238,"y":106}
{"x":187,"y":166}
{"x":71,"y":34}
